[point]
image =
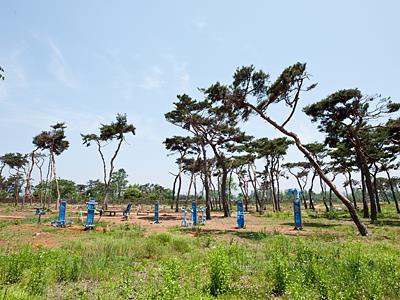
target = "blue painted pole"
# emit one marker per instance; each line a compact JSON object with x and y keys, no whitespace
{"x":194,"y":212}
{"x":156,"y":207}
{"x":297,"y":210}
{"x":184,"y":222}
{"x":91,"y":205}
{"x":61,"y":214}
{"x":240,"y":214}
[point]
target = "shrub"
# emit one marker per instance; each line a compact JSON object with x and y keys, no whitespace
{"x":220,"y":271}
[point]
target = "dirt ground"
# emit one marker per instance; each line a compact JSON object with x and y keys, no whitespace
{"x":26,"y":229}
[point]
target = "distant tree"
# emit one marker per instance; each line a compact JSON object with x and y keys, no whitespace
{"x":16,"y":162}
{"x":119,"y":182}
{"x":95,"y":188}
{"x":214,"y":126}
{"x":34,"y":159}
{"x":39,"y":161}
{"x":318,"y":152}
{"x":108,"y":133}
{"x":67,"y":189}
{"x":183,"y":146}
{"x":300,"y":171}
{"x":133,"y":193}
{"x":272,"y":151}
{"x":54,"y":141}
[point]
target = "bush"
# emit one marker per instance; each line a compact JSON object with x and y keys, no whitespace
{"x":170,"y":274}
{"x":220,"y":271}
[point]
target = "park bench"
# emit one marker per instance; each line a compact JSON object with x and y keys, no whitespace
{"x":113,"y":212}
{"x":109,"y":212}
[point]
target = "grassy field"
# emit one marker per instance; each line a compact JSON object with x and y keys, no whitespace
{"x":137,"y":260}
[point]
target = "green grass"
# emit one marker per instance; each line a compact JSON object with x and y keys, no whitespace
{"x":127,"y":263}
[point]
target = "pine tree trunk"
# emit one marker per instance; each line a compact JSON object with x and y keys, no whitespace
{"x":310,"y":191}
{"x":352,"y":190}
{"x":364,"y":196}
{"x":393,"y":192}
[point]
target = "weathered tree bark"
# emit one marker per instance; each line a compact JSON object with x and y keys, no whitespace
{"x":55,"y":178}
{"x":368,"y":182}
{"x":364,"y":196}
{"x":393,"y":191}
{"x":375,"y":186}
{"x":174,"y":190}
{"x":190,"y":187}
{"x":50,"y":181}
{"x":352,"y":190}
{"x":206,"y":183}
{"x":28,"y":192}
{"x":178,"y":196}
{"x":40,"y":182}
{"x":224,"y":177}
{"x":254,"y":184}
{"x":330,"y":194}
{"x":16,"y":187}
{"x":310,"y":191}
{"x":323,"y":192}
{"x":278,"y":194}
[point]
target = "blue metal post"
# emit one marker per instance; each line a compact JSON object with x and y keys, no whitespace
{"x":203,"y":219}
{"x":240,"y":214}
{"x":91,"y":205}
{"x":156,"y":205}
{"x":61,"y":214}
{"x":297,"y":210}
{"x":194,"y":212}
{"x":184,"y":222}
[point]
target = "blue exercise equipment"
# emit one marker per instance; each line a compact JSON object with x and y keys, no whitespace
{"x":240,"y":214}
{"x":91,"y":207}
{"x":297,"y":209}
{"x":39,"y":212}
{"x":185,"y":222}
{"x":194,"y":212}
{"x":126,"y":212}
{"x":61,"y":222}
{"x":156,"y":212}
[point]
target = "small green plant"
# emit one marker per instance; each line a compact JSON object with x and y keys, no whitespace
{"x":220,"y":271}
{"x":170,"y":275}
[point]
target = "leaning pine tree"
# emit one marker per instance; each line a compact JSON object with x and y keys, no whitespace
{"x":248,"y":84}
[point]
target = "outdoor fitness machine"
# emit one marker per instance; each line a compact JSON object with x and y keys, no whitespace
{"x":297,"y":209}
{"x":240,"y":214}
{"x":39,"y":212}
{"x":61,"y":222}
{"x":91,"y":207}
{"x":156,"y":212}
{"x":126,"y":212}
{"x":194,"y":212}
{"x":185,"y":223}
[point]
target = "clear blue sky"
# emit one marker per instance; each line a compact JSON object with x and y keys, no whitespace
{"x":84,"y":61}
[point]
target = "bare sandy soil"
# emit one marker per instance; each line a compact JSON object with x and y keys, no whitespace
{"x":25,"y":229}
